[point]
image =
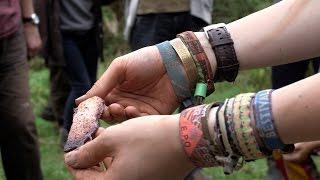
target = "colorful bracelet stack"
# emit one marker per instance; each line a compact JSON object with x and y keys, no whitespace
{"x":243,"y":130}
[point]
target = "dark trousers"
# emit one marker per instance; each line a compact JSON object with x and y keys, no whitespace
{"x":59,"y":91}
{"x":152,"y":29}
{"x":18,"y":136}
{"x":289,"y":73}
{"x":81,"y":57}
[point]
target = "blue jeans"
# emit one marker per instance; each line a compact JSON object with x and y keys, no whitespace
{"x":81,"y":57}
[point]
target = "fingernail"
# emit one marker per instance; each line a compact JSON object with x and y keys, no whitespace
{"x":80,"y":99}
{"x":70,"y":158}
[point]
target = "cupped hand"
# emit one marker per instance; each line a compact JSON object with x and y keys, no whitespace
{"x":133,"y":85}
{"x":301,"y":152}
{"x":147,"y":147}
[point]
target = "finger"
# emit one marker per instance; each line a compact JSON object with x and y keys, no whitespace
{"x":107,"y":162}
{"x":99,"y":132}
{"x":132,"y":112}
{"x":83,"y":174}
{"x":93,"y":152}
{"x":109,"y":80}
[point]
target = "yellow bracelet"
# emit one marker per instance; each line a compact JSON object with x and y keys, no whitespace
{"x":187,"y":61}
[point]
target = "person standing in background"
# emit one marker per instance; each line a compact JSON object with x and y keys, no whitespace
{"x":18,"y":138}
{"x":150,"y":22}
{"x":81,"y":29}
{"x":52,"y":52}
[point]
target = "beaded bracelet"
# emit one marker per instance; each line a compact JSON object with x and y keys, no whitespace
{"x":174,"y":70}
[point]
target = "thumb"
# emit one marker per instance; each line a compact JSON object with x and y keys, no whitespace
{"x":109,"y":80}
{"x":93,"y":152}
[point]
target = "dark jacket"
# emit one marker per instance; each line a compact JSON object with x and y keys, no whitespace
{"x":49,"y":13}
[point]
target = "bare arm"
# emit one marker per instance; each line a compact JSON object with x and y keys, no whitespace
{"x":31,"y":32}
{"x":285,"y":32}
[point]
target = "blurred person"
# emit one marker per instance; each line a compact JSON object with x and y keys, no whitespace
{"x":19,"y":39}
{"x":80,"y":26}
{"x":52,"y":52}
{"x":150,"y":22}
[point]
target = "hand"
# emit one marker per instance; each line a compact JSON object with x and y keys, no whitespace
{"x":33,"y":39}
{"x":147,"y":147}
{"x":301,"y":152}
{"x":135,"y":84}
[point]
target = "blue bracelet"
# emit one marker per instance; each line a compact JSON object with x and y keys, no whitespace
{"x":175,"y":70}
{"x":264,"y":120}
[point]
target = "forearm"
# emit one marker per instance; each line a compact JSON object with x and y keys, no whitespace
{"x":282,"y":33}
{"x":27,"y":8}
{"x":296,"y":110}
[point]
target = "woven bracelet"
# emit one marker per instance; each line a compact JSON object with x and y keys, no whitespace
{"x":174,"y":70}
{"x":244,"y":129}
{"x":265,"y":123}
{"x":202,"y":60}
{"x":192,"y":138}
{"x":187,"y":61}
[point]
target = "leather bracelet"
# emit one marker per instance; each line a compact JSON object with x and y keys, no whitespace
{"x":222,"y":45}
{"x":197,"y":51}
{"x":186,"y":60}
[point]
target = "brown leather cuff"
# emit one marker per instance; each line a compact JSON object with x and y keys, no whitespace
{"x":227,"y":62}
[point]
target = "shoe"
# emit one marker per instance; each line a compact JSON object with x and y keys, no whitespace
{"x":198,"y":174}
{"x":63,"y":136}
{"x":47,"y":113}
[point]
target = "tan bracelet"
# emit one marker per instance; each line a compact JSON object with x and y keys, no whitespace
{"x":187,"y":61}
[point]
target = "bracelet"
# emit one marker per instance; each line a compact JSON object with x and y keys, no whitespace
{"x":244,"y":130}
{"x":174,"y":70}
{"x":222,"y":45}
{"x":197,"y":51}
{"x":265,"y":123}
{"x":191,"y":135}
{"x":186,"y":60}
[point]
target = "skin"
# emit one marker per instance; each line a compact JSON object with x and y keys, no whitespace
{"x":301,"y":152}
{"x":31,"y":31}
{"x":283,"y":33}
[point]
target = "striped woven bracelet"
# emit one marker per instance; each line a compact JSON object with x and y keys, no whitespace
{"x":175,"y":71}
{"x":244,"y":130}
